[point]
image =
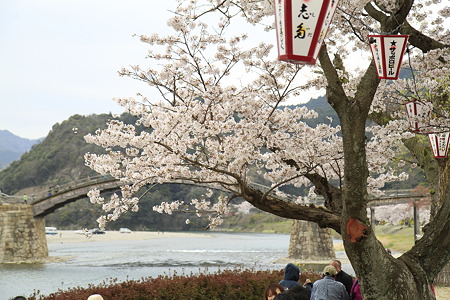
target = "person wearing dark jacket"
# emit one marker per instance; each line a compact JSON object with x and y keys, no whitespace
{"x":291,"y":276}
{"x":299,"y":293}
{"x":341,"y":276}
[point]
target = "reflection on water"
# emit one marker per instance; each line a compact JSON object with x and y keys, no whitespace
{"x":95,"y":262}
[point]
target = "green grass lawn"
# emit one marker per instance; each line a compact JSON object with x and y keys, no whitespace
{"x":396,"y":238}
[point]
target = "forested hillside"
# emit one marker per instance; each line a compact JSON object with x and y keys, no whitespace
{"x":56,"y":160}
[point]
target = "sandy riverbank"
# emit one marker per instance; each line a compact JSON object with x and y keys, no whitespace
{"x":70,"y":236}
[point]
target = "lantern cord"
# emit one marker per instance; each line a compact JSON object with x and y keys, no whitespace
{"x":354,"y":29}
{"x":416,"y":90}
{"x":368,"y":28}
{"x":412,"y":72}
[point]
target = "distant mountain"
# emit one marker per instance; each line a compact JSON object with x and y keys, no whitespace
{"x":57,"y":159}
{"x":323,"y":109}
{"x":12,"y":147}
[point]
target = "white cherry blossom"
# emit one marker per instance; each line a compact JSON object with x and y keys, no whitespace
{"x":218,"y":118}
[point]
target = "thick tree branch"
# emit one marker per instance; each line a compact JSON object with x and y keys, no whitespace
{"x":334,"y":86}
{"x":367,"y":87}
{"x":322,"y":216}
{"x":430,"y":255}
{"x":399,"y":17}
{"x":416,"y":38}
{"x":390,"y":22}
{"x":331,"y":194}
{"x":420,"y":40}
{"x":375,"y":13}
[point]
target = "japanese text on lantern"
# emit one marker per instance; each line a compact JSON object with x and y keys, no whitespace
{"x":393,"y":47}
{"x":332,"y":5}
{"x":387,"y":51}
{"x":301,"y":28}
{"x":439,"y":143}
{"x":305,"y":15}
{"x":442,"y":142}
{"x":377,"y":56}
{"x":418,"y":113}
{"x":280,"y":28}
{"x":392,"y":60}
{"x":304,"y":20}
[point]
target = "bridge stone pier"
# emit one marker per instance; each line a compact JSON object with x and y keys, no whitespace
{"x":22,"y":226}
{"x":22,"y":236}
{"x":310,"y":243}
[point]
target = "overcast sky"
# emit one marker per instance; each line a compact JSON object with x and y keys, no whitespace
{"x":60,"y":58}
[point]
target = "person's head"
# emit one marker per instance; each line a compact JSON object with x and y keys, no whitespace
{"x":336,"y":264}
{"x":272,"y":290}
{"x":291,"y":272}
{"x":19,"y":298}
{"x":329,"y":271}
{"x":283,"y":296}
{"x":95,"y":297}
{"x":299,"y":292}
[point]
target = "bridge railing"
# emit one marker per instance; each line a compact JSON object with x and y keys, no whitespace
{"x":394,"y":195}
{"x":55,"y":190}
{"x":59,"y":189}
{"x":403,"y":193}
{"x":10,"y":199}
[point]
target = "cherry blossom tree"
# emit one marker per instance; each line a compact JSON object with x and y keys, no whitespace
{"x":219,"y":119}
{"x":395,"y":214}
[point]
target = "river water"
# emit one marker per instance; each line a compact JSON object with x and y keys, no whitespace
{"x":95,"y":262}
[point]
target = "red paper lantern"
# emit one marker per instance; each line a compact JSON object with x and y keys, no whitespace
{"x":301,"y":28}
{"x":418,"y":112}
{"x":387,"y":52}
{"x":439,"y":143}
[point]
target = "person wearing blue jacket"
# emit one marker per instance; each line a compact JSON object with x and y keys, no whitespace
{"x":291,"y":276}
{"x":328,"y":288}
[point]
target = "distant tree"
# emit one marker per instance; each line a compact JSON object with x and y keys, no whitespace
{"x":398,"y":213}
{"x":218,"y":117}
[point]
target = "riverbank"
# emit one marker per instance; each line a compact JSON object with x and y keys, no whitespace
{"x":70,"y":236}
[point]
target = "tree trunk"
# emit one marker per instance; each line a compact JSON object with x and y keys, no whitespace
{"x":444,"y":276}
{"x":384,"y":277}
{"x":381,"y":275}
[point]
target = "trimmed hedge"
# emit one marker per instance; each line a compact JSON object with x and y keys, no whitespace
{"x":227,"y":284}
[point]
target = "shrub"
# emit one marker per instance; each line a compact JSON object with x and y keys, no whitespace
{"x":227,"y":284}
